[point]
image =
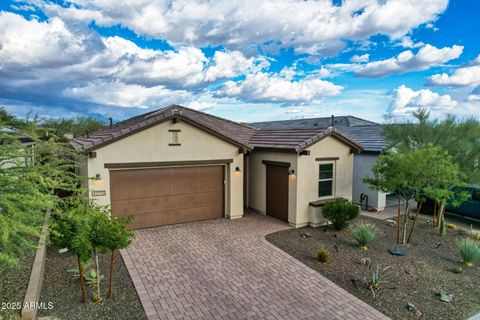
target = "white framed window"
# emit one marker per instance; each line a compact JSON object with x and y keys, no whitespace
{"x":326,"y":179}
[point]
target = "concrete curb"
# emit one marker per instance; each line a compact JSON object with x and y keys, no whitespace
{"x":29,"y":309}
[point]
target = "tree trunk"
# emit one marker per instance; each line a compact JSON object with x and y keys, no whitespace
{"x":405,"y":224}
{"x":419,"y":207}
{"x":98,"y":275}
{"x":435,"y":213}
{"x":82,"y":280}
{"x":441,"y":218}
{"x":398,"y":222}
{"x":110,"y":281}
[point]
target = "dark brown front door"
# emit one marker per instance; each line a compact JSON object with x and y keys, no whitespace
{"x":162,"y":196}
{"x":277,"y":192}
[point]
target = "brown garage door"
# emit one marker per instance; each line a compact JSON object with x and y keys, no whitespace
{"x":277,"y":191}
{"x":162,"y":196}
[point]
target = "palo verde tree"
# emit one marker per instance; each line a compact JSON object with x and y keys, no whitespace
{"x":460,"y":137}
{"x":31,"y":171}
{"x":414,"y":174}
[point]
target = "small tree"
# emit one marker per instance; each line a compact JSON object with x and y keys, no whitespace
{"x":71,"y":229}
{"x":115,"y":236}
{"x":414,"y":174}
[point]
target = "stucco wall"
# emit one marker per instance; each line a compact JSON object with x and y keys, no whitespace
{"x":362,"y":166}
{"x":308,"y":175}
{"x":258,"y":180}
{"x":152,"y":145}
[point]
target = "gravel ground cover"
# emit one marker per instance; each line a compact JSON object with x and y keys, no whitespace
{"x":416,"y":278}
{"x":13,"y":285}
{"x":63,"y":290}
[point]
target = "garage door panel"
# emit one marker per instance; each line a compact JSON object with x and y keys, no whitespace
{"x":146,"y":220}
{"x":163,"y":196}
{"x":184,"y":201}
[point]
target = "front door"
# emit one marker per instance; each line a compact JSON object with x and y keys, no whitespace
{"x":277,"y":192}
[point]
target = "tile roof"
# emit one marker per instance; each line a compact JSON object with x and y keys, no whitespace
{"x":313,"y":123}
{"x":236,"y":133}
{"x":371,"y":137}
{"x":245,"y":136}
{"x":297,"y":139}
{"x":367,"y":133}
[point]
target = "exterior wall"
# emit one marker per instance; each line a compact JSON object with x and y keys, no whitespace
{"x":258,"y":181}
{"x":362,"y":166}
{"x":152,"y":145}
{"x":308,"y":177}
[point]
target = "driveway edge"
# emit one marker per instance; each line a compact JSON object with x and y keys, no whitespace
{"x":139,"y":287}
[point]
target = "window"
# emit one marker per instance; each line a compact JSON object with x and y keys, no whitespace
{"x":325,"y":182}
{"x":175,"y":141}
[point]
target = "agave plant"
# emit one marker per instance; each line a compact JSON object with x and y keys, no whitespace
{"x":377,"y":278}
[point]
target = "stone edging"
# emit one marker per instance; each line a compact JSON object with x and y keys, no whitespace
{"x":34,"y":288}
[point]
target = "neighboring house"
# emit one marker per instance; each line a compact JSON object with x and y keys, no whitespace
{"x":177,"y":165}
{"x":369,"y":134}
{"x":27,"y":146}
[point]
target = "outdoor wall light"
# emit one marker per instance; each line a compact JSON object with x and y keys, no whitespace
{"x":291,"y":172}
{"x":98,"y":176}
{"x":237,"y":169}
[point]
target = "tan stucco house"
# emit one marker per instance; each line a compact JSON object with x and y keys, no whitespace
{"x":176,"y":165}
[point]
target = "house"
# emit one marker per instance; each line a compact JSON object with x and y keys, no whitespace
{"x":177,"y":165}
{"x":369,"y":134}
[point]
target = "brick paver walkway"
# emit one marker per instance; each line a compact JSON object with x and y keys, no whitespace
{"x":225,"y":269}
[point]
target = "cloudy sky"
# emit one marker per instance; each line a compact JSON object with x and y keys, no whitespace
{"x":247,"y":60}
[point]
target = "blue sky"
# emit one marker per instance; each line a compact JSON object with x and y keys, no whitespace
{"x":244,"y":60}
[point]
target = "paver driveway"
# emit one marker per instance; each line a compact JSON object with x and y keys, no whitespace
{"x":225,"y":269}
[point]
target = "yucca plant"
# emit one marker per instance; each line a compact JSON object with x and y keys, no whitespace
{"x":377,"y":277}
{"x":364,"y":233}
{"x":469,"y":250}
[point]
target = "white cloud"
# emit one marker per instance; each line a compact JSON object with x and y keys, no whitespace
{"x":26,"y":44}
{"x":427,"y":57}
{"x":231,"y":64}
{"x":362,"y":58}
{"x":407,"y":42}
{"x":264,"y":87}
{"x":317,"y":26}
{"x":406,"y":101}
{"x":468,"y":75}
{"x":47,"y":61}
{"x":123,"y":95}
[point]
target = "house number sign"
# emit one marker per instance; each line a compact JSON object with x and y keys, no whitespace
{"x":99,"y":193}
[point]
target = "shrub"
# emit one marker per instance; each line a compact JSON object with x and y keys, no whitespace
{"x":339,"y":212}
{"x":469,"y":250}
{"x":322,"y":254}
{"x":377,"y":277}
{"x":457,"y":270}
{"x":364,"y":233}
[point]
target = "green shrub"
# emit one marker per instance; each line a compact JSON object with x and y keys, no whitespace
{"x":339,"y":212}
{"x":457,"y":270}
{"x":322,"y":254}
{"x":469,"y":250}
{"x":364,"y":233}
